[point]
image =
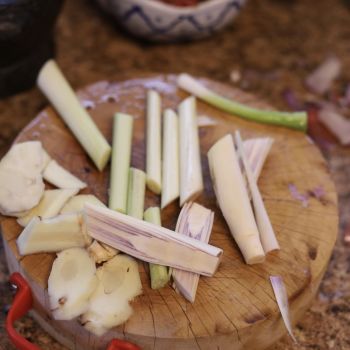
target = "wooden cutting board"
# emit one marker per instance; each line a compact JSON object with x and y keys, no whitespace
{"x":236,"y":308}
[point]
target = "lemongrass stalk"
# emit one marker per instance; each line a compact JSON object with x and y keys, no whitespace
{"x":120,"y":162}
{"x":294,"y":120}
{"x":280,"y":292}
{"x":256,"y":151}
{"x":191,"y":178}
{"x":194,"y":221}
{"x":170,"y":169}
{"x":159,"y":274}
{"x":149,"y":242}
{"x":136,"y":193}
{"x":153,"y":145}
{"x":267,"y":235}
{"x":55,"y":87}
{"x":233,"y":200}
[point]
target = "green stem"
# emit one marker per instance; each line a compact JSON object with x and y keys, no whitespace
{"x":136,"y":193}
{"x":160,"y":275}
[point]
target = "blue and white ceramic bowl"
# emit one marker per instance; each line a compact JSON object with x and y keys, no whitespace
{"x":157,"y":21}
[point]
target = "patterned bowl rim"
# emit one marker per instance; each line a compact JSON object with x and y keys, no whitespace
{"x":184,"y":10}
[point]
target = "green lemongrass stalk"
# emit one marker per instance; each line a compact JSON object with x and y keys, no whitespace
{"x":55,"y":87}
{"x":153,"y":145}
{"x":294,"y":120}
{"x":170,"y":164}
{"x":121,"y":155}
{"x":136,"y":193}
{"x":160,"y":275}
{"x":191,"y":178}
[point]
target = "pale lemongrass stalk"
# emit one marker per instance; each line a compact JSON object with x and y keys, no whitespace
{"x":55,"y":87}
{"x":160,"y":275}
{"x":233,"y":200}
{"x":136,"y":193}
{"x":294,"y":120}
{"x":282,"y":300}
{"x":191,"y":178}
{"x":151,"y":243}
{"x":257,"y":150}
{"x":267,"y":234}
{"x":196,"y":222}
{"x":170,"y":169}
{"x":120,"y":162}
{"x":153,"y":144}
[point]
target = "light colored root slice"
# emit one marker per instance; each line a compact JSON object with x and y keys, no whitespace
{"x":49,"y":206}
{"x":56,"y":175}
{"x":118,"y":284}
{"x":101,"y":252}
{"x":76,"y":203}
{"x":51,"y":235}
{"x":71,"y":282}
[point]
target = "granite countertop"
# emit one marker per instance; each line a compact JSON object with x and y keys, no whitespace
{"x":273,"y":45}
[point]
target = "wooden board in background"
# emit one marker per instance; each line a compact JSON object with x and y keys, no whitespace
{"x":236,"y":308}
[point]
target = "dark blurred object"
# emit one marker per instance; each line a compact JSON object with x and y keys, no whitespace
{"x":26,"y":41}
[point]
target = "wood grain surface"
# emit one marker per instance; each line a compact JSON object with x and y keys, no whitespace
{"x":236,"y":308}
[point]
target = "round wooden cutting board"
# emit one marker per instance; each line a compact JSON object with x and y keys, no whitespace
{"x":235,"y":309}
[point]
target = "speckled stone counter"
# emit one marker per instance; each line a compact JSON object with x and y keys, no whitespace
{"x":273,"y":45}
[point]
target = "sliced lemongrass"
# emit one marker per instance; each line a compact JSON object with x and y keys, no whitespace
{"x":50,"y":205}
{"x":267,"y":234}
{"x":55,"y":87}
{"x":153,"y":145}
{"x":170,"y":169}
{"x":151,"y":243}
{"x":76,"y":203}
{"x":191,"y":178}
{"x":160,"y":275}
{"x":56,"y":175}
{"x":205,"y":121}
{"x":257,"y":150}
{"x":282,"y":300}
{"x":233,"y":200}
{"x":51,"y":235}
{"x":196,"y":222}
{"x":294,"y":120}
{"x":120,"y":162}
{"x":136,"y":193}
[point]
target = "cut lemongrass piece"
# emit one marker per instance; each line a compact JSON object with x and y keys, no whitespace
{"x":232,"y":196}
{"x":159,"y":274}
{"x":196,"y":222}
{"x":56,"y":175}
{"x":136,"y":193}
{"x":191,"y":179}
{"x":56,"y":88}
{"x":267,"y":235}
{"x":282,"y":301}
{"x":151,"y":243}
{"x":50,"y":205}
{"x":121,"y":155}
{"x":170,"y":187}
{"x":294,"y":120}
{"x":153,"y":151}
{"x":257,"y":151}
